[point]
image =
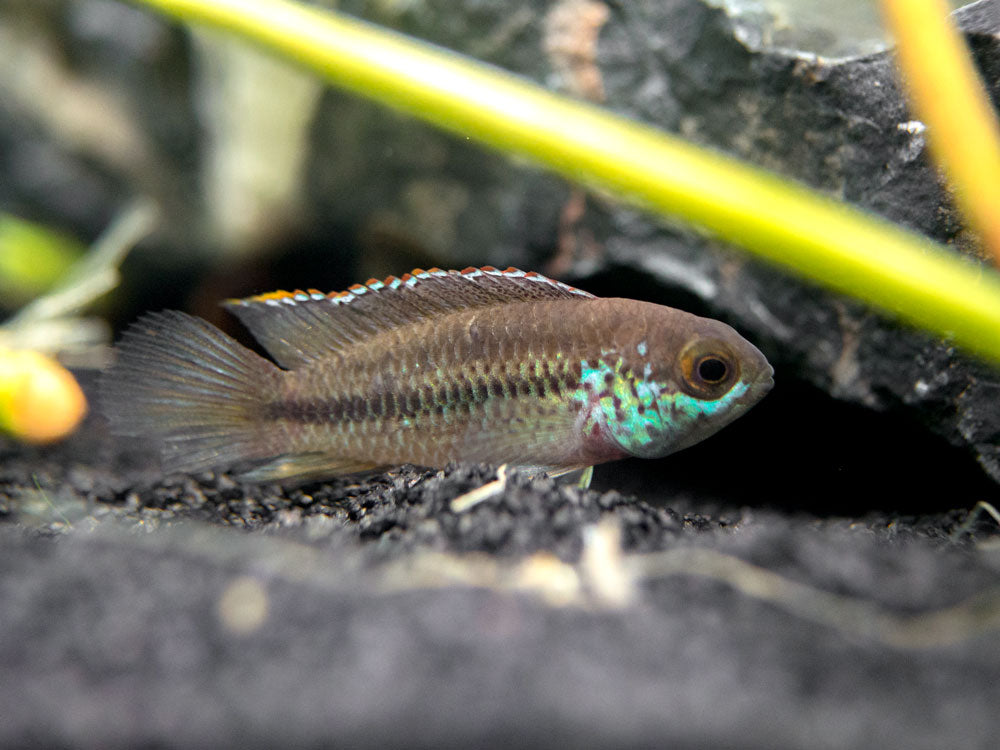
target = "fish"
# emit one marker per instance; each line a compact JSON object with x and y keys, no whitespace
{"x":432,"y":367}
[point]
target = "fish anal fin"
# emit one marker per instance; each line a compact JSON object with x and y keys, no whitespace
{"x":301,"y":326}
{"x":305,"y":467}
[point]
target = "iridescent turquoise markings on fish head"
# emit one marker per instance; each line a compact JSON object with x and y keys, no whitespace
{"x":624,"y":408}
{"x":647,"y":418}
{"x":669,"y":397}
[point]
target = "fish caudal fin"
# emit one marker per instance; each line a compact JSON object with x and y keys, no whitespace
{"x":182,"y":382}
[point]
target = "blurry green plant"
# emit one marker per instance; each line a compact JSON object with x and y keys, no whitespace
{"x":51,"y":323}
{"x":32,"y":258}
{"x":777,"y":219}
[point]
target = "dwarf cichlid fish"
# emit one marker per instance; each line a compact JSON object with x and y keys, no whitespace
{"x":479,"y":365}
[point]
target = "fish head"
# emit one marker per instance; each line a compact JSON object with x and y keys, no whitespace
{"x":682,"y":378}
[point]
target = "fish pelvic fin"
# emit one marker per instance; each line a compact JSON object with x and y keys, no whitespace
{"x":183,"y":383}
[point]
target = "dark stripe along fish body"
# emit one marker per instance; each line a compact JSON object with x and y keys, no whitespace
{"x":435,"y":366}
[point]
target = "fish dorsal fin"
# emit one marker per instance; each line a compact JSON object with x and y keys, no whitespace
{"x":299,"y":327}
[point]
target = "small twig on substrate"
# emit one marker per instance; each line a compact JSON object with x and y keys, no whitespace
{"x":852,"y":616}
{"x":472,"y":498}
{"x":45,"y":496}
{"x":970,"y":520}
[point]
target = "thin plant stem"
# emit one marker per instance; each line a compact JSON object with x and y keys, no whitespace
{"x":947,"y":94}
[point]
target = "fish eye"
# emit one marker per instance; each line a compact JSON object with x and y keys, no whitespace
{"x":708,"y":369}
{"x":712,"y":369}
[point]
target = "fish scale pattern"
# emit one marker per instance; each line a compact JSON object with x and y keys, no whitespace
{"x":459,"y":393}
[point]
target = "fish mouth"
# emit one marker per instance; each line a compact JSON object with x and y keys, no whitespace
{"x":764,"y":381}
{"x":758,"y":387}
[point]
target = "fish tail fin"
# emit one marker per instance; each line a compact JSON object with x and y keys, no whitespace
{"x":197,"y":392}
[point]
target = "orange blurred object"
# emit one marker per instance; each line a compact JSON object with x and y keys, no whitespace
{"x":40,"y":400}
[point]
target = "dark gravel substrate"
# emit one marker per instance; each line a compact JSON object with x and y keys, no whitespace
{"x":186,"y":612}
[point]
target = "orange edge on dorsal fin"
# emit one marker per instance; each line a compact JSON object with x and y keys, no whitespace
{"x":296,"y":327}
{"x":414,"y":276}
{"x":278,"y":294}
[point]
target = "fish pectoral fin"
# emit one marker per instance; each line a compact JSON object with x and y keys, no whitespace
{"x":580,"y":475}
{"x":304,"y":467}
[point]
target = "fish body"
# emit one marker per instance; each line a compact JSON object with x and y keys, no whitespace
{"x":436,"y":366}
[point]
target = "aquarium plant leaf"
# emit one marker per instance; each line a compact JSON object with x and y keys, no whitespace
{"x":32,"y":258}
{"x":948,"y":96}
{"x":96,"y":272}
{"x":776,"y":219}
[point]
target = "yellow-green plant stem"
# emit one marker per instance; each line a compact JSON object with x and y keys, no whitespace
{"x":821,"y":239}
{"x":947,"y":95}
